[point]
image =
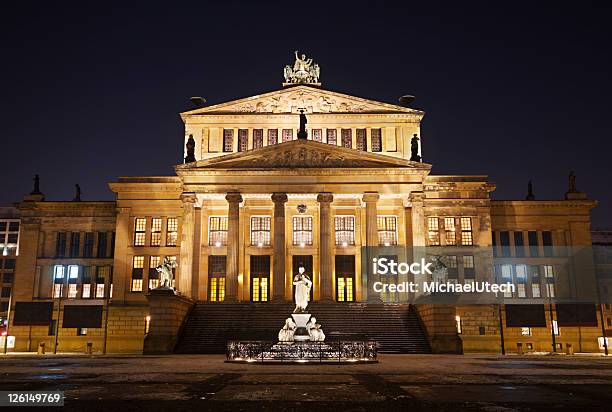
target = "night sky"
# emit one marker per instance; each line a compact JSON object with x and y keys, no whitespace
{"x":514,"y":92}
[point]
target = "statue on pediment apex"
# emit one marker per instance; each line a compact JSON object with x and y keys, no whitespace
{"x":304,"y":71}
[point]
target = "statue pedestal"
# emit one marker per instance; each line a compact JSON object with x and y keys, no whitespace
{"x":301,"y":333}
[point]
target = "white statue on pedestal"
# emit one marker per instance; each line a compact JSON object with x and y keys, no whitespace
{"x":165,"y":273}
{"x":286,"y":333}
{"x":302,"y":290}
{"x":314,"y":330}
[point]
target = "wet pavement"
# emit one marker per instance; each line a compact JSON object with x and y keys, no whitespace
{"x":397,"y":382}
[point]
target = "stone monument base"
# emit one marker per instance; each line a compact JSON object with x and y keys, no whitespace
{"x":301,"y":333}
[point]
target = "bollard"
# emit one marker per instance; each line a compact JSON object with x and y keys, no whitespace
{"x":41,"y":348}
{"x":89,"y":349}
{"x":519,"y":348}
{"x":569,"y":350}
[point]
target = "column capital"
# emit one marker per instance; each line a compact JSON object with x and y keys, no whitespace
{"x":325,"y":197}
{"x":188,"y":197}
{"x":417,"y":197}
{"x":233,"y":197}
{"x":279,"y":197}
{"x":370,"y":197}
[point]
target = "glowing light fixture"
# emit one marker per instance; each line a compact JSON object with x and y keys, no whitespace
{"x":217,"y":243}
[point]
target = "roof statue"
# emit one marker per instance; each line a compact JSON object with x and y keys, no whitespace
{"x":304,"y":71}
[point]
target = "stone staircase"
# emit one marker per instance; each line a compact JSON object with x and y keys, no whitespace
{"x":396,"y":327}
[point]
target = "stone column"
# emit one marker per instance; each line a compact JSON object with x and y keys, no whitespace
{"x":418,"y":232}
{"x":325,"y":246}
{"x":187,"y":231}
{"x":278,"y":259}
{"x":233,"y":245}
{"x":371,"y":199}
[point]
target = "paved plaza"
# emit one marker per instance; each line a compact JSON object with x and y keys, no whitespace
{"x":397,"y":382}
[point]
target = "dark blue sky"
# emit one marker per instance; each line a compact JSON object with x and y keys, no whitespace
{"x":515,"y":92}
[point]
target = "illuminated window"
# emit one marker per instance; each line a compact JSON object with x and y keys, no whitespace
{"x":549,"y":278}
{"x":171,"y":231}
{"x":555,"y":327}
{"x":217,"y":231}
{"x":346,"y":138}
{"x":317,"y":135}
{"x":156,"y":228}
{"x":433,"y":231}
{"x":526,"y":331}
{"x":138,"y":265}
{"x":376,"y":140}
{"x":450,"y":231}
{"x":260,"y":230}
{"x":332,"y":137}
{"x":362,"y":143}
{"x":458,"y":324}
{"x":257,"y":138}
{"x":140,"y":227}
{"x":154,"y":262}
{"x":86,"y":290}
{"x":387,"y":230}
{"x":272,"y":136}
{"x":228,"y":140}
{"x":58,"y":280}
{"x":345,"y":278}
{"x":506,"y":273}
{"x":147,"y":323}
{"x":243,"y":140}
{"x":102,"y":273}
{"x":302,"y":230}
{"x":287,"y":135}
{"x":469,"y":271}
{"x":466,"y":231}
{"x":73,"y":279}
{"x":345,"y":230}
{"x":535,"y":290}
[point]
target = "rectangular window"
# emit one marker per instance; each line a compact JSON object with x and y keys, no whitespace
{"x":102,"y":272}
{"x":140,"y":227}
{"x":257,"y":138}
{"x":86,"y":290}
{"x":549,"y":278}
{"x":302,"y":230}
{"x":88,"y":247}
{"x":466,"y":231}
{"x":376,"y":140}
{"x":433,"y":231}
{"x":519,"y":244}
{"x":532,"y":236}
{"x":156,"y":229}
{"x":217,"y":231}
{"x":228,"y":140}
{"x":387,"y":230}
{"x":171,"y":231}
{"x":138,"y":266}
{"x":102,"y":243}
{"x":75,"y":244}
{"x":345,"y":230}
{"x":450,"y":231}
{"x":272,"y":136}
{"x":317,"y":135}
{"x":526,"y":331}
{"x":58,"y":280}
{"x":60,"y":244}
{"x":154,"y":262}
{"x":332,"y":137}
{"x":287,"y":135}
{"x":346,"y":138}
{"x":504,"y":240}
{"x":547,"y":242}
{"x":243,"y":140}
{"x":452,"y":268}
{"x":362,"y":142}
{"x":506,"y":273}
{"x":81,"y":331}
{"x":260,"y":231}
{"x":469,"y":271}
{"x":535,"y":290}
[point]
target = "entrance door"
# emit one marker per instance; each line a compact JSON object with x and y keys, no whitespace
{"x":216,"y":278}
{"x":306,"y":261}
{"x":386,"y":296}
{"x":260,"y":278}
{"x":345,"y":278}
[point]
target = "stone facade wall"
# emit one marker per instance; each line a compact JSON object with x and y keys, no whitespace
{"x":168,"y":313}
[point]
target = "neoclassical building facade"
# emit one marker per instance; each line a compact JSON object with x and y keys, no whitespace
{"x":253,"y":202}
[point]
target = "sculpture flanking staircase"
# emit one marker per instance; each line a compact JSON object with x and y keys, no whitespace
{"x":397,"y":328}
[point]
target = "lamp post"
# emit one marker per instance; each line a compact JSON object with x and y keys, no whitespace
{"x":8,"y":321}
{"x":59,"y":305}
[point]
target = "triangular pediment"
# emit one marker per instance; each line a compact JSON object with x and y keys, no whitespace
{"x":302,"y":154}
{"x":296,"y":98}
